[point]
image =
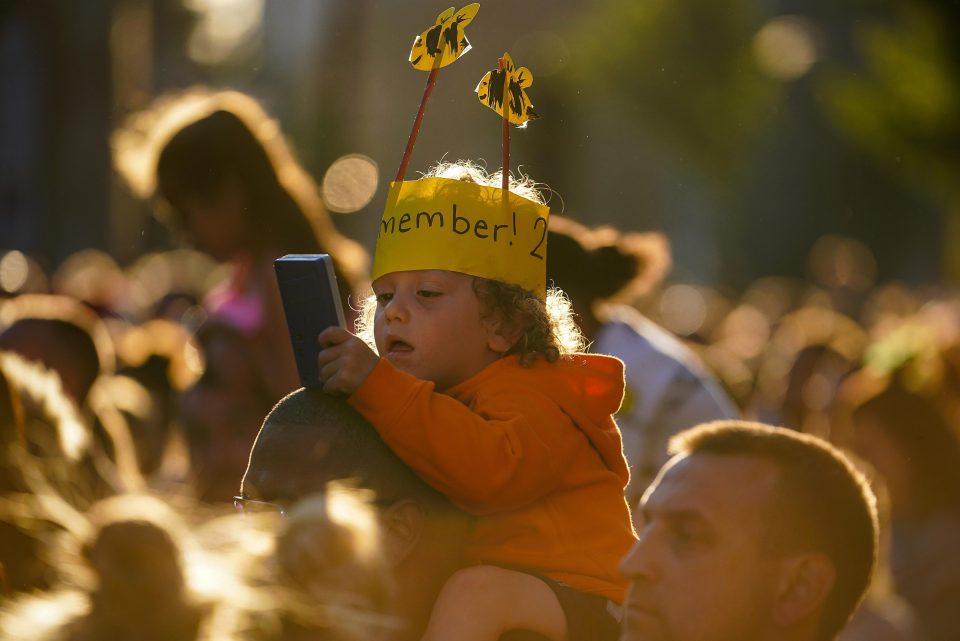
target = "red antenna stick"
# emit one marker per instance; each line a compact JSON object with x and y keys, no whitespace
{"x":505,"y":177}
{"x":431,"y":81}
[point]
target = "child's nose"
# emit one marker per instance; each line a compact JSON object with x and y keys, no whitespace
{"x":396,"y":309}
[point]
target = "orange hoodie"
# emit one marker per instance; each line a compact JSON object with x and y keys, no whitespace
{"x":532,"y":450}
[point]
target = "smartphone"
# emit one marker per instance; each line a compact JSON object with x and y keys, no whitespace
{"x":311,"y":303}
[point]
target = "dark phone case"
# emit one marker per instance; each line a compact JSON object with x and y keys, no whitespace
{"x":311,"y":303}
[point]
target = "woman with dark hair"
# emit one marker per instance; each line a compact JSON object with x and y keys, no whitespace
{"x":668,"y":389}
{"x":225,"y":178}
{"x":225,"y":193}
{"x":228,"y":181}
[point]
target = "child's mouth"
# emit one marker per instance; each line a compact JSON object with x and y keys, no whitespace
{"x":397,"y":346}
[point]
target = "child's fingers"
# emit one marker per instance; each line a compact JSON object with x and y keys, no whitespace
{"x":328,"y":371}
{"x":333,"y":336}
{"x":340,"y":381}
{"x":345,"y":365}
{"x":329,"y":354}
{"x":330,"y":363}
{"x":338,"y":384}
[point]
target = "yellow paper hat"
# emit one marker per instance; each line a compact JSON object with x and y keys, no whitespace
{"x":442,"y":223}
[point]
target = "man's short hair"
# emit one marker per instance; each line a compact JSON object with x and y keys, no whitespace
{"x":824,"y":504}
{"x":315,"y":437}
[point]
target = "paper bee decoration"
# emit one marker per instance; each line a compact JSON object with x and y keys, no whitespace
{"x":445,"y":41}
{"x":504,"y":91}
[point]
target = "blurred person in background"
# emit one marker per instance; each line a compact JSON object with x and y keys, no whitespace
{"x":156,"y":362}
{"x":883,"y":615}
{"x":224,"y":176}
{"x":121,"y":574}
{"x":329,"y":552}
{"x":147,"y":567}
{"x":222,"y":411}
{"x":69,"y":339}
{"x":140,"y":591}
{"x":905,"y":435}
{"x":61,"y":333}
{"x":810,"y":352}
{"x":43,"y":438}
{"x":668,"y":389}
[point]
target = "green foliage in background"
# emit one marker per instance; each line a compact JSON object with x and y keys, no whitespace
{"x":684,"y":71}
{"x":901,"y":105}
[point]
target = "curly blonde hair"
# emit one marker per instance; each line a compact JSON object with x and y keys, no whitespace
{"x":547,"y":327}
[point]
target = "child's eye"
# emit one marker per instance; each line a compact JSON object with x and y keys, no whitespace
{"x":426,"y":293}
{"x":384,"y":298}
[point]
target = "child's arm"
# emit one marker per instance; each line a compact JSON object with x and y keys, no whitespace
{"x":510,"y":452}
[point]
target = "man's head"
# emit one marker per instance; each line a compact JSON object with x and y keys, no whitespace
{"x":311,"y":438}
{"x":750,"y":532}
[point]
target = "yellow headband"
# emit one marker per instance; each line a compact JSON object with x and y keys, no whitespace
{"x":439,"y":223}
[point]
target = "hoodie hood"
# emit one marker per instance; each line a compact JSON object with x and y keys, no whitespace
{"x":588,"y":388}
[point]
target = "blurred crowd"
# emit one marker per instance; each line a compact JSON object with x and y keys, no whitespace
{"x":131,"y":395}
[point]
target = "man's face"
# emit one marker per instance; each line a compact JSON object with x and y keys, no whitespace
{"x":701,"y":569}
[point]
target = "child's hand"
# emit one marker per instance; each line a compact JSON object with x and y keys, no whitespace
{"x":345,"y":361}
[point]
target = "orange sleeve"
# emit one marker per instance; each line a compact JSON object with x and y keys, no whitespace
{"x":500,"y":457}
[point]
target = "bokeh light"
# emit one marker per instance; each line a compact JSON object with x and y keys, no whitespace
{"x":92,"y":276}
{"x":14,"y":270}
{"x":683,"y":309}
{"x":785,"y":47}
{"x":842,"y":262}
{"x":350,"y":183}
{"x":224,"y":28}
{"x":744,"y":332}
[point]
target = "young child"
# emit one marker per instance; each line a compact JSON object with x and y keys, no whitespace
{"x":477,"y":386}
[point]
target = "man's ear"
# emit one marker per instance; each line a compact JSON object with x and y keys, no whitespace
{"x":805,"y":583}
{"x":403,"y":524}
